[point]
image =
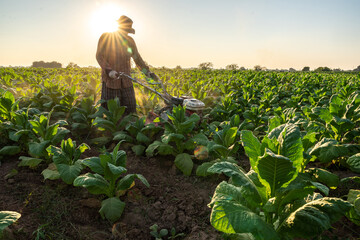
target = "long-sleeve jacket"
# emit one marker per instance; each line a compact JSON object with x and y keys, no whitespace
{"x":113,"y":53}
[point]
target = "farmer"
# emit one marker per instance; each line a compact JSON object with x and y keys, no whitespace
{"x":113,"y":55}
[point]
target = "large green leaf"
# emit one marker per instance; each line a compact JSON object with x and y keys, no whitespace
{"x":162,"y":149}
{"x":309,"y":140}
{"x":150,"y":150}
{"x":37,"y":127}
{"x":38,"y":149}
{"x":202,"y":170}
{"x":60,"y":135}
{"x":126,"y":182}
{"x":60,"y":157}
{"x":10,"y":150}
{"x":243,"y":195}
{"x":123,"y":136}
{"x":104,"y":123}
{"x":200,"y":139}
{"x":188,"y":125}
{"x":239,"y":179}
{"x":299,"y":188}
{"x":321,"y":175}
{"x":274,"y":122}
{"x":337,"y":106}
{"x":29,"y":161}
{"x":252,"y":147}
{"x":328,"y":149}
{"x":9,"y":97}
{"x":275,"y":133}
{"x":79,"y":150}
{"x":68,"y":173}
{"x":172,"y":137}
{"x":113,"y":104}
{"x":230,"y":136}
{"x":51,"y":132}
{"x":341,"y":125}
{"x":95,"y":183}
{"x":184,"y":162}
{"x":112,"y":208}
{"x":50,"y":174}
{"x":53,"y":150}
{"x":314,"y":217}
{"x":269,"y":143}
{"x":116,"y":170}
{"x":142,"y":138}
{"x":275,"y":171}
{"x":232,"y":217}
{"x":119,"y":156}
{"x":325,"y":115}
{"x":291,"y":145}
{"x":16,"y":135}
{"x":94,"y":164}
{"x":353,"y":197}
{"x":354,"y":162}
{"x":7,"y":218}
{"x":138,"y":149}
{"x":217,"y":149}
{"x":118,"y":115}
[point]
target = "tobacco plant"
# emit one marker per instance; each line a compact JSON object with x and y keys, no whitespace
{"x":8,"y":105}
{"x":223,"y":147}
{"x":177,"y":138}
{"x":82,"y":116}
{"x":139,"y":134}
{"x":112,"y":119}
{"x":66,"y":163}
{"x":276,"y":199}
{"x":354,"y":198}
{"x":45,"y":134}
{"x":108,"y":179}
{"x":342,"y":117}
{"x":15,"y":133}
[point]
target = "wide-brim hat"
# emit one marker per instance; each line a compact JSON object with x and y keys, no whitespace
{"x":125,"y":24}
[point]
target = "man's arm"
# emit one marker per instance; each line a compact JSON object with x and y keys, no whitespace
{"x":100,"y":53}
{"x":140,"y":63}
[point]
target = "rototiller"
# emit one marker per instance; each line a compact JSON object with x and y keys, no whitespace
{"x":192,"y":104}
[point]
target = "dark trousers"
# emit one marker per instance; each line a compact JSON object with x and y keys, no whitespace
{"x":125,"y":95}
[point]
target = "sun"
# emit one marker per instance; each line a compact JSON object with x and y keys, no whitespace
{"x":104,"y":19}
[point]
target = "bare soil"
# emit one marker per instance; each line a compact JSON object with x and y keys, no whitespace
{"x":55,"y":210}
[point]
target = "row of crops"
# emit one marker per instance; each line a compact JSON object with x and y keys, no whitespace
{"x":294,"y":128}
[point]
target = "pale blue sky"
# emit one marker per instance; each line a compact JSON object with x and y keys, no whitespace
{"x":274,"y":34}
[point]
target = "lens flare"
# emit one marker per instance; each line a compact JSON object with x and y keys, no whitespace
{"x":201,"y":152}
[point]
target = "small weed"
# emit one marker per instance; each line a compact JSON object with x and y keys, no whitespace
{"x":164,"y":232}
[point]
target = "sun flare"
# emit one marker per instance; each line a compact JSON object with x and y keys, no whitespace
{"x":104,"y":19}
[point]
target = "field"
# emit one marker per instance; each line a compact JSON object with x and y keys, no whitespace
{"x":274,"y":155}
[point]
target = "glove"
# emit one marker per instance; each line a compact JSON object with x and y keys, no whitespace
{"x":113,"y":74}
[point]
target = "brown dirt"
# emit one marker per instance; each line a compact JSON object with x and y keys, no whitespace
{"x":172,"y":201}
{"x":54,"y":210}
{"x":50,"y":209}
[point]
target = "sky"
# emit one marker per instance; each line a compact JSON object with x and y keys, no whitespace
{"x":276,"y":34}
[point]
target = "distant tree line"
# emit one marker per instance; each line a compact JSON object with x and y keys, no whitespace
{"x":43,"y":64}
{"x":234,"y":66}
{"x":357,"y":69}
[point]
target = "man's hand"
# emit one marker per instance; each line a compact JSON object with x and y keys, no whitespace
{"x":113,"y":74}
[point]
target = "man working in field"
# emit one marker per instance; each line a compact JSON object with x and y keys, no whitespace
{"x":113,"y":55}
